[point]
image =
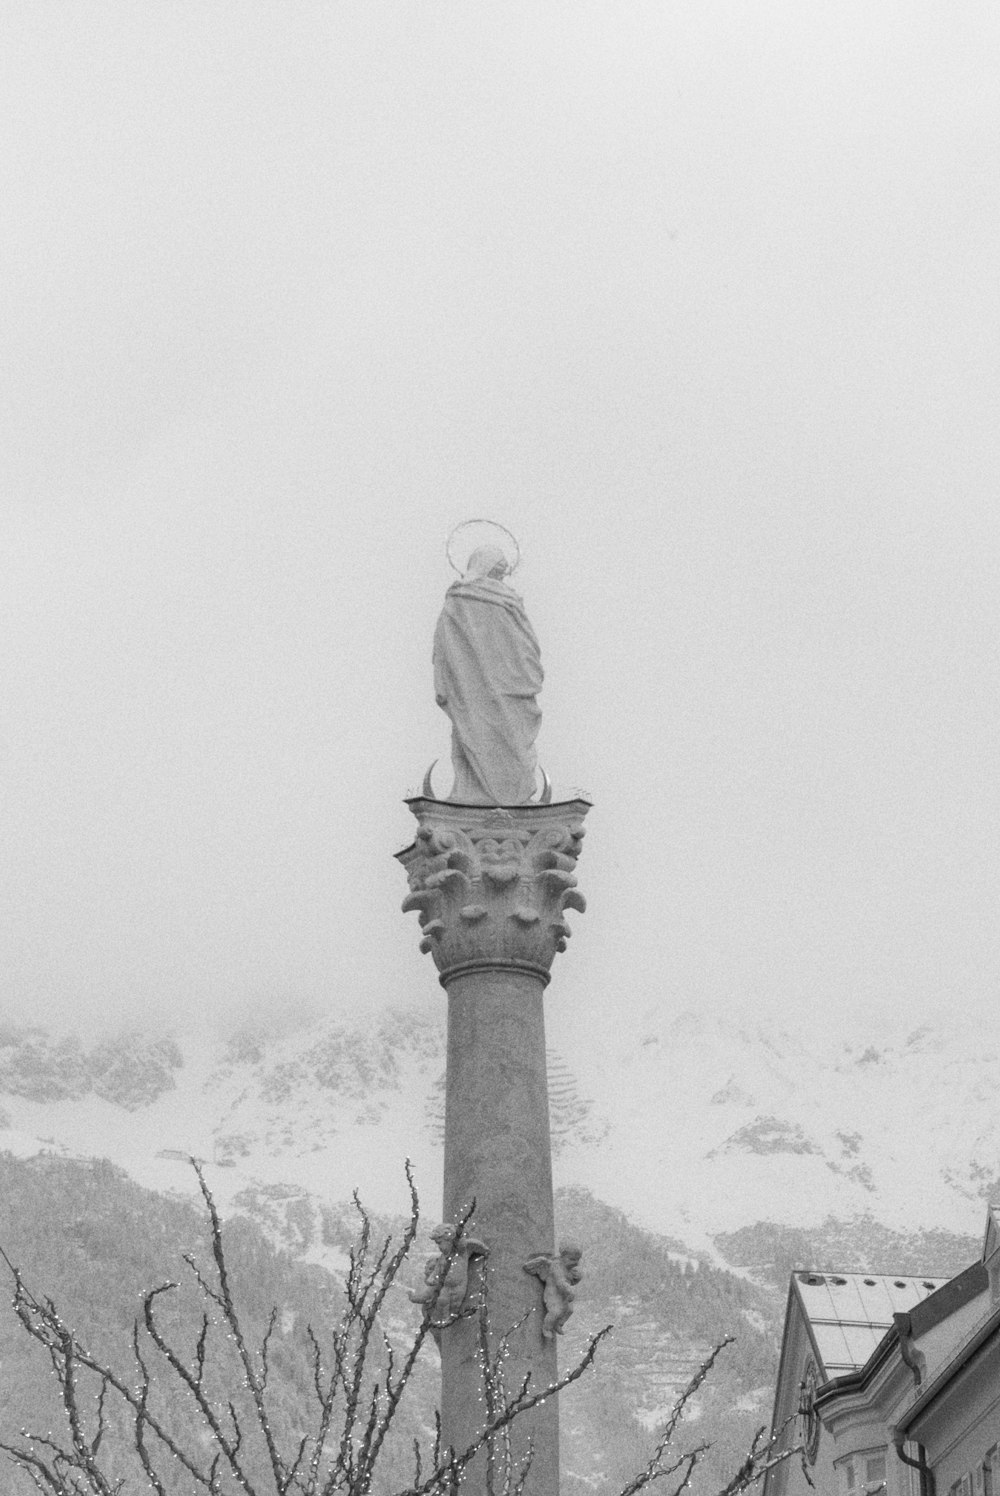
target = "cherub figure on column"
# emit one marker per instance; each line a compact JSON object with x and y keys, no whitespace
{"x":559,"y":1273}
{"x":446,"y":1274}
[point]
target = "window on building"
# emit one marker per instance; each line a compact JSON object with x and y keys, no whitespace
{"x":874,"y":1471}
{"x":846,"y":1479}
{"x":863,"y":1474}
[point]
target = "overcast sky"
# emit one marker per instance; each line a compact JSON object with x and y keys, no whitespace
{"x":699,"y":299}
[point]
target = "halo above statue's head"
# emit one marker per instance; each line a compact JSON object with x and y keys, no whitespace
{"x":476,"y":535}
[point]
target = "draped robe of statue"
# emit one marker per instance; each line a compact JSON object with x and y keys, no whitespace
{"x":487,"y":674}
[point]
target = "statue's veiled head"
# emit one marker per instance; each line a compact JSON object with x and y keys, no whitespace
{"x":486,"y":561}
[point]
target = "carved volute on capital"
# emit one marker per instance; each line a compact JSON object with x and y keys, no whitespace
{"x":491,"y":886}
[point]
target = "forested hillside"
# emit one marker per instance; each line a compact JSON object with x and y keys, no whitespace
{"x":83,"y":1233}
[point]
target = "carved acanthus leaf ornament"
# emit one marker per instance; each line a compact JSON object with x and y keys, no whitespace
{"x":491,"y":887}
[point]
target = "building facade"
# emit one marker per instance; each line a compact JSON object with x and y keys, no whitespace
{"x":890,"y":1386}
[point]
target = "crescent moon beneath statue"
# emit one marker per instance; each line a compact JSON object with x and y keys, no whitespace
{"x":428,"y":789}
{"x":545,"y":798}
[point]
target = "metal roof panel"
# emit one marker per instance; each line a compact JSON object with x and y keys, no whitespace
{"x":849,"y":1313}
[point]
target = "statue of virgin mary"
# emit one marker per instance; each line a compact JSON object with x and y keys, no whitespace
{"x":487,"y":675}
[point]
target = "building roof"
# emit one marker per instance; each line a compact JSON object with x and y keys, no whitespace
{"x":849,"y":1313}
{"x":980,"y":1336}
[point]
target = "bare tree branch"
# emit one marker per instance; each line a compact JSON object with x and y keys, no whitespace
{"x":356,"y":1380}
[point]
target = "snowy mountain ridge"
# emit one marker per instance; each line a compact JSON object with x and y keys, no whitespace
{"x":693,"y":1125}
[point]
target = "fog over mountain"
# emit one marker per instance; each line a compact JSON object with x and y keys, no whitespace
{"x":699,"y":300}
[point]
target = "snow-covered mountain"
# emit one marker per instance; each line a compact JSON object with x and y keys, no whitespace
{"x":694,"y":1125}
{"x":713,"y":1124}
{"x":736,"y":1151}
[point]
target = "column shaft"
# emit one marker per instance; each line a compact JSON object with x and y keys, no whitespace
{"x":497,"y":1152}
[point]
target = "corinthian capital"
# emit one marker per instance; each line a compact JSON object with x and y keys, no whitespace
{"x":491,"y":887}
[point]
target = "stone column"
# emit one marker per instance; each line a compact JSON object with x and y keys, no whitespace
{"x":491,"y":887}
